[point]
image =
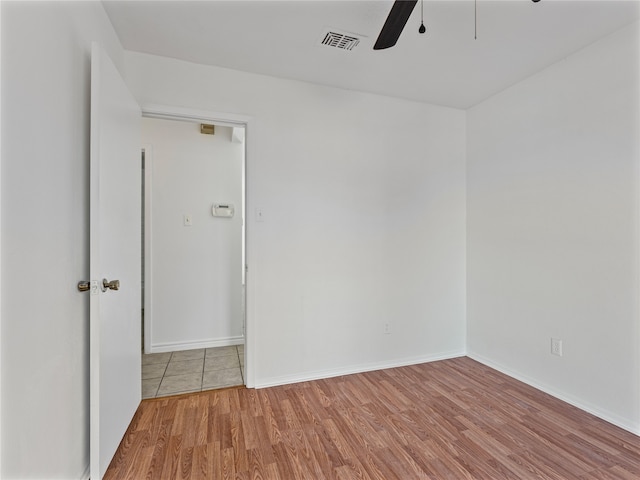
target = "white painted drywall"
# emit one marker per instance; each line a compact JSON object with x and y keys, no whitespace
{"x":196,"y":282}
{"x":364,"y":202}
{"x":45,"y":160}
{"x":552,"y":208}
{"x":364,"y":218}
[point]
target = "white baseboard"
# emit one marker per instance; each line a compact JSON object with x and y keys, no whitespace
{"x":604,"y":415}
{"x":192,"y":345}
{"x":350,"y":370}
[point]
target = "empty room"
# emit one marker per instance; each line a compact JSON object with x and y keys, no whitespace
{"x":440,"y":266}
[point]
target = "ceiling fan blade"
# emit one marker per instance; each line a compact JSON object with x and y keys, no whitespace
{"x":397,"y":19}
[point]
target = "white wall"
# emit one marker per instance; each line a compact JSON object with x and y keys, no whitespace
{"x":552,"y":208}
{"x":45,"y":159}
{"x":364,"y":201}
{"x":196,"y":281}
{"x":364,"y":205}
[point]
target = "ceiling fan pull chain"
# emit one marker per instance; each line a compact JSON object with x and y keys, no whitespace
{"x":422,"y":28}
{"x":475,"y":19}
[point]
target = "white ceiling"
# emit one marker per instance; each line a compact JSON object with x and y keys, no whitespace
{"x":445,"y":66}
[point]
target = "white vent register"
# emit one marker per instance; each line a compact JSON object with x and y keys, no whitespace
{"x":222,"y":210}
{"x":341,"y":40}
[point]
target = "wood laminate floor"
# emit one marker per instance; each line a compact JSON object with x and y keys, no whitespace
{"x":452,"y":419}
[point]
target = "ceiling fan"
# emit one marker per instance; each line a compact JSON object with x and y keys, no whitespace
{"x":393,"y":26}
{"x":397,"y":19}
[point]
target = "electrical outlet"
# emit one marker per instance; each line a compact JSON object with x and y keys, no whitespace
{"x":556,"y":347}
{"x":387,"y":328}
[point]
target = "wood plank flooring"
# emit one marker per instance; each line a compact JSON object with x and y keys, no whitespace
{"x":452,"y":419}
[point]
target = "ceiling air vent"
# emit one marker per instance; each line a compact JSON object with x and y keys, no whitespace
{"x":341,"y":40}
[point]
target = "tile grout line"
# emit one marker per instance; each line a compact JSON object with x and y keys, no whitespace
{"x":164,"y":373}
{"x":240,"y":365}
{"x":204,"y":359}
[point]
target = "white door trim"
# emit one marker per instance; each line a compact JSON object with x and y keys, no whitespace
{"x":192,"y":115}
{"x":167,"y":112}
{"x":148,"y":163}
{"x":0,"y":303}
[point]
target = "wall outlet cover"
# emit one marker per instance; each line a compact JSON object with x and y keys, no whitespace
{"x":556,"y":347}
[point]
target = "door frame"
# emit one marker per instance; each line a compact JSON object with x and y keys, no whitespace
{"x":225,"y":119}
{"x":146,"y":300}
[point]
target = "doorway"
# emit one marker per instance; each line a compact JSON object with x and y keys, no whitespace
{"x":193,"y":255}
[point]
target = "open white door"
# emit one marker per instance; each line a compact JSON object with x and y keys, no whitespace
{"x":115,"y":256}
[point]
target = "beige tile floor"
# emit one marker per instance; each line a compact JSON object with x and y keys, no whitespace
{"x":187,"y":371}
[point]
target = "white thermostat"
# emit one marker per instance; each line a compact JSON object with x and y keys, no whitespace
{"x":222,"y":210}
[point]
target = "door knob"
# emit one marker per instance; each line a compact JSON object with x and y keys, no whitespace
{"x":84,"y":286}
{"x":110,"y":285}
